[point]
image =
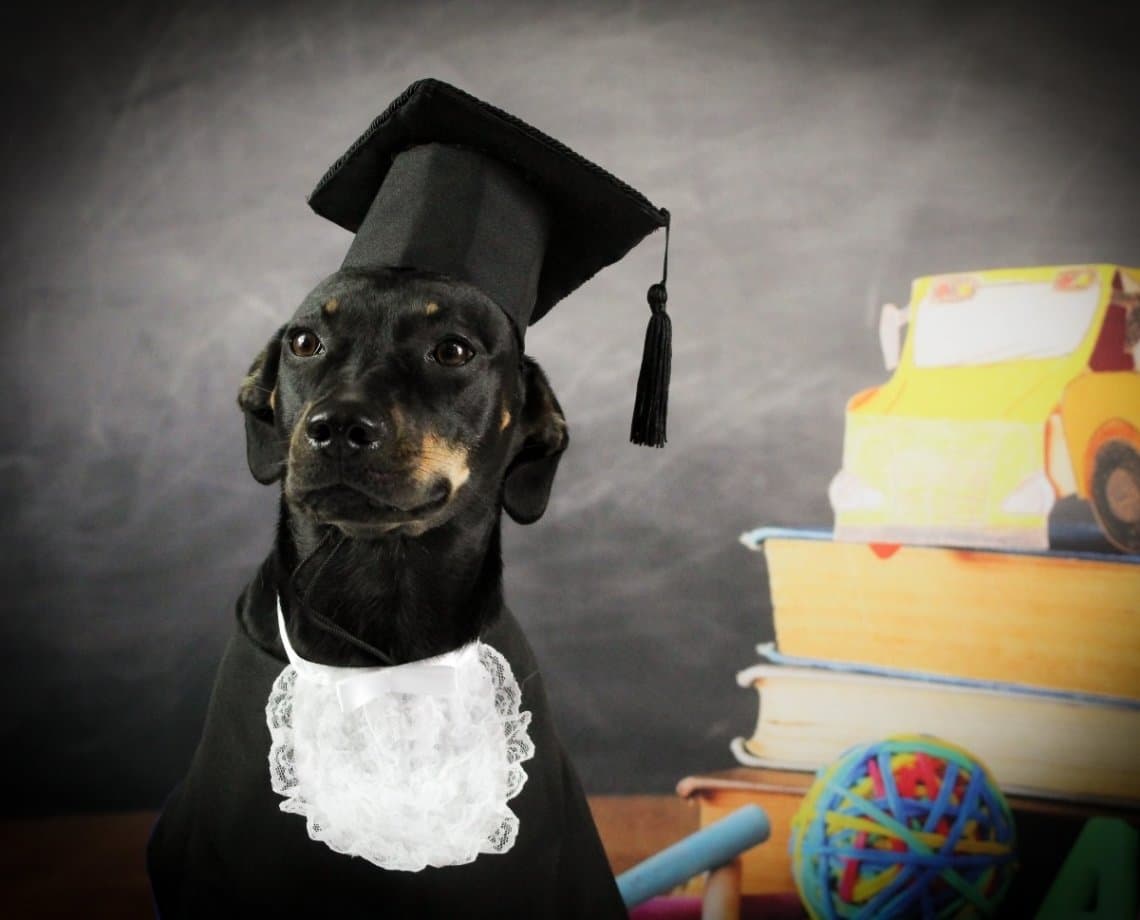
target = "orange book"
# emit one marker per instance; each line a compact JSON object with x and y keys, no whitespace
{"x":766,"y":869}
{"x":1061,"y":621}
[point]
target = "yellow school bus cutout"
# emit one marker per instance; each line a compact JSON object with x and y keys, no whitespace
{"x":1013,"y":388}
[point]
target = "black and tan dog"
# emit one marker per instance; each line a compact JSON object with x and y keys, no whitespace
{"x":400,"y":416}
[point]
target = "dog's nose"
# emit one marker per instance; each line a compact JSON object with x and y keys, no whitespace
{"x":343,"y":425}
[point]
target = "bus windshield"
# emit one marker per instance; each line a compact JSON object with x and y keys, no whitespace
{"x":1002,"y":322}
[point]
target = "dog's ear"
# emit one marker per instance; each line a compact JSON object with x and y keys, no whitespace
{"x":526,"y":489}
{"x":264,"y":447}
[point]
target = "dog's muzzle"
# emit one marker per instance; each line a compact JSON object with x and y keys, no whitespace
{"x":347,"y":466}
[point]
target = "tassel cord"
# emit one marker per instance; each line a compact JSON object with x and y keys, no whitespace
{"x":651,"y":405}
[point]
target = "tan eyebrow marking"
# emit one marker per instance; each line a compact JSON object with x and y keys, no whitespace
{"x":273,"y":399}
{"x":506,"y":420}
{"x":330,"y":306}
{"x":431,"y":308}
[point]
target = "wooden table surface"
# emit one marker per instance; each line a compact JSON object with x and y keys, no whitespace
{"x":92,"y":865}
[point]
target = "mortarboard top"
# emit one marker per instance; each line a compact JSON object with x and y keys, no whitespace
{"x":444,"y":182}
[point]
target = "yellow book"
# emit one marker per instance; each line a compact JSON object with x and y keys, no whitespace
{"x":1037,"y":744}
{"x":1065,"y":621}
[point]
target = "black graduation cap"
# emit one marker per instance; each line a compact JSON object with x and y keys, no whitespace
{"x":444,"y":182}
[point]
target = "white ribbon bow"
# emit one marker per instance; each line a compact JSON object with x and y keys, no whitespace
{"x":355,"y":687}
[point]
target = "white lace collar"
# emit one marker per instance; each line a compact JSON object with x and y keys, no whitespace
{"x":406,"y":766}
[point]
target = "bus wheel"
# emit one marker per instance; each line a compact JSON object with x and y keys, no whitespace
{"x":1115,"y":494}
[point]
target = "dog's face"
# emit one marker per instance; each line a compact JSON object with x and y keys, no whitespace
{"x":391,"y":402}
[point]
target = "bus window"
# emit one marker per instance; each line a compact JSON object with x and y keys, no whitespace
{"x":1112,"y":352}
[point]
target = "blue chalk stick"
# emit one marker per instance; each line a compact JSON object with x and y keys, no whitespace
{"x":708,"y":848}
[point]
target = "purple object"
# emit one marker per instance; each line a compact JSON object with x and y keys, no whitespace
{"x":752,"y":907}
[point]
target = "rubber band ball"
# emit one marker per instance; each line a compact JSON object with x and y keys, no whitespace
{"x":911,"y":826}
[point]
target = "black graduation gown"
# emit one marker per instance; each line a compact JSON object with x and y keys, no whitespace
{"x":222,"y":845}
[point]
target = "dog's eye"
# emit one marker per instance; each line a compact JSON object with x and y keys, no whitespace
{"x":305,"y":344}
{"x":453,"y":352}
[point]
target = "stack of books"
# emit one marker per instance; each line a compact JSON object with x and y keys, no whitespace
{"x":1029,"y":659}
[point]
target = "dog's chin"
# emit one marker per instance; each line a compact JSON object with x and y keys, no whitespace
{"x":364,"y":515}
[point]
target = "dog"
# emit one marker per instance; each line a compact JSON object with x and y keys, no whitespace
{"x":399,"y":415}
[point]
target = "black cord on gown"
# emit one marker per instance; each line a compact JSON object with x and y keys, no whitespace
{"x":318,"y":618}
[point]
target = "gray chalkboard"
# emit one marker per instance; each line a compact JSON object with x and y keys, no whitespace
{"x":815,"y":157}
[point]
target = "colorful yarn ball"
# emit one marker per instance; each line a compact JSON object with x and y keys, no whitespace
{"x":911,"y":826}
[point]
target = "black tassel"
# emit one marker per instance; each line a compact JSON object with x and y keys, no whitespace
{"x":652,"y":404}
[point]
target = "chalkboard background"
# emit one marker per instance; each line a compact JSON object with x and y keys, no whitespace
{"x":815,"y":156}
